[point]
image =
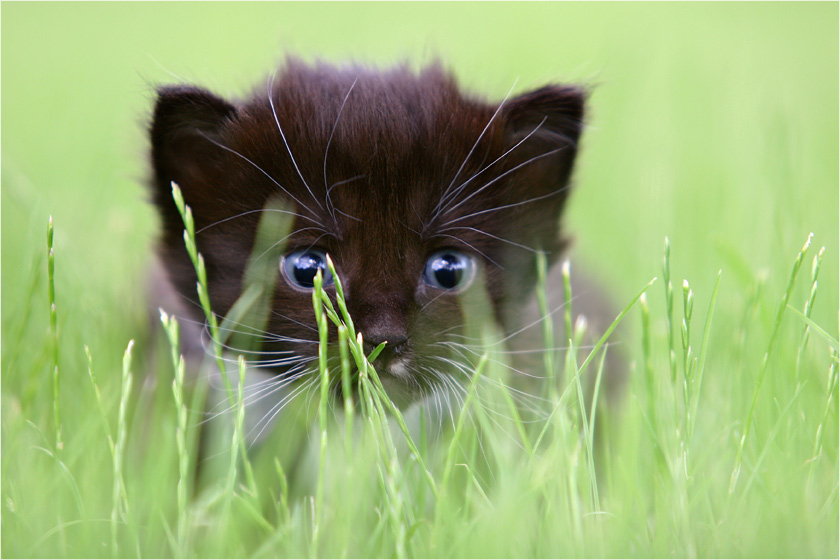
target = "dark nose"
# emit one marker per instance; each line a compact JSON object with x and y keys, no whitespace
{"x":396,"y":343}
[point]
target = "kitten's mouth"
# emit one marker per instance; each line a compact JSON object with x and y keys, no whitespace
{"x":398,"y":368}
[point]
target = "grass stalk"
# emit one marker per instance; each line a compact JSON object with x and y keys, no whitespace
{"x":650,"y":382}
{"x":587,"y":439}
{"x":669,"y":309}
{"x":592,"y":353}
{"x":321,"y":319}
{"x":106,"y":425}
{"x":201,"y":286}
{"x":346,"y":387}
{"x":212,"y":322}
{"x":171,"y":327}
{"x":237,"y":438}
{"x":284,"y":514}
{"x":809,"y":305}
{"x":59,"y":445}
{"x":363,"y":363}
{"x":736,"y":470}
{"x":689,"y":364}
{"x":832,"y":389}
{"x":118,"y":490}
{"x":459,"y":427}
{"x":704,"y":347}
{"x":547,"y":325}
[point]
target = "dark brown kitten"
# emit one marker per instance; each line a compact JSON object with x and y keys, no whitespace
{"x":418,"y":192}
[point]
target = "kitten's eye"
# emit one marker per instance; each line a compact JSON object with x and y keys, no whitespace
{"x":449,"y":270}
{"x":300,"y":268}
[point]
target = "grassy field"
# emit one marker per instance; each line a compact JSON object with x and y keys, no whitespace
{"x":714,"y":125}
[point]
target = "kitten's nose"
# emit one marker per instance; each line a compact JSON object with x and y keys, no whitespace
{"x":396,"y":343}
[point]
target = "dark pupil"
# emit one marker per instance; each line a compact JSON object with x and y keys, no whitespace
{"x":448,"y":271}
{"x":306,"y":267}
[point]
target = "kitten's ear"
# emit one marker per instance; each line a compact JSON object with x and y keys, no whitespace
{"x":186,"y":121}
{"x":548,"y":123}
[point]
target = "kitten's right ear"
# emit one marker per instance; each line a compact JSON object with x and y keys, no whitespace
{"x":186,"y":122}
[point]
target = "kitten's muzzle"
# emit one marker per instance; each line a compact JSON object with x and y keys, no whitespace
{"x":397,"y":344}
{"x":392,"y":359}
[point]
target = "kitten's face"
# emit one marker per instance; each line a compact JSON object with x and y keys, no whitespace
{"x":417,"y":193}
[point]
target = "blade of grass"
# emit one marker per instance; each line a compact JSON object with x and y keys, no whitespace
{"x":590,"y":460}
{"x":201,"y":286}
{"x":704,"y":347}
{"x":321,"y":319}
{"x":465,"y":410}
{"x":47,"y":449}
{"x":548,"y":324}
{"x":356,"y":347}
{"x":832,"y":388}
{"x":59,"y":445}
{"x":595,"y":349}
{"x":101,"y":405}
{"x":650,"y":382}
{"x":346,"y":387}
{"x":212,"y":322}
{"x":669,"y":308}
{"x":809,"y":305}
{"x":833,"y":342}
{"x":171,"y":328}
{"x":118,"y":492}
{"x":736,"y":470}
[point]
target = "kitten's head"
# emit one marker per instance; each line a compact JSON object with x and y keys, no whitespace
{"x":414,"y":189}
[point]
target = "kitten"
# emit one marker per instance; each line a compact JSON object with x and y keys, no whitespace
{"x":421,"y":195}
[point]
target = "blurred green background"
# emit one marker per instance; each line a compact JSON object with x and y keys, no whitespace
{"x":714,"y":124}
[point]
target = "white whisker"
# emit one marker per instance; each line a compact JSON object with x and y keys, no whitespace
{"x":283,"y":136}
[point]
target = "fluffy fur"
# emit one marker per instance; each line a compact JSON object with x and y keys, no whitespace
{"x":381,"y":168}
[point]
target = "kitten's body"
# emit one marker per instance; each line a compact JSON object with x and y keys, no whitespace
{"x":382,"y":170}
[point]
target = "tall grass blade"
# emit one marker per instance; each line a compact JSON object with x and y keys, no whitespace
{"x":59,"y":445}
{"x":736,"y":471}
{"x":321,"y":319}
{"x":212,"y":322}
{"x":809,"y":305}
{"x":547,"y":325}
{"x":118,"y":495}
{"x":669,"y":308}
{"x":170,"y":325}
{"x":704,"y":347}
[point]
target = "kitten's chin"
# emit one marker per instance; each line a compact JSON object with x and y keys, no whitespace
{"x":398,"y":387}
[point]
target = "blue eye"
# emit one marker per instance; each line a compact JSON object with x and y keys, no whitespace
{"x":449,"y":270}
{"x":300,"y":268}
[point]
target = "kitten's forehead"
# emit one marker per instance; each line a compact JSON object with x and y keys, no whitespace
{"x":372,"y":120}
{"x":358,"y":136}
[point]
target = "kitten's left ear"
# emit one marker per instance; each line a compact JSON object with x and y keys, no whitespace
{"x":548,"y":123}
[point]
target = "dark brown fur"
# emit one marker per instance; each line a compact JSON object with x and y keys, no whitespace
{"x":404,"y":142}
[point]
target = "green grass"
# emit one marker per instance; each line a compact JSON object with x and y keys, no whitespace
{"x":714,"y":125}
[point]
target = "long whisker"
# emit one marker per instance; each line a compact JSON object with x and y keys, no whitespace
{"x":329,"y":141}
{"x":281,"y":241}
{"x":446,"y":193}
{"x":502,"y":239}
{"x":506,"y":206}
{"x":254,"y":212}
{"x":260,"y":169}
{"x":330,"y":205}
{"x":267,"y":418}
{"x":463,"y":185}
{"x":503,"y":175}
{"x":286,"y":142}
{"x":471,"y":247}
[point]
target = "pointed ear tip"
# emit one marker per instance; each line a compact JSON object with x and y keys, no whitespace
{"x":175,"y":91}
{"x":574,"y":94}
{"x":186,"y":94}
